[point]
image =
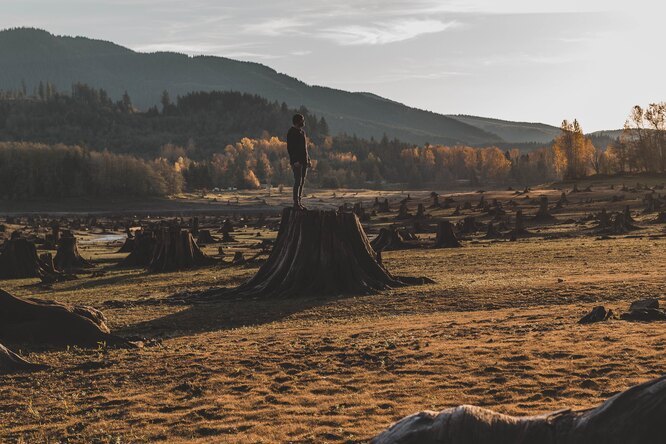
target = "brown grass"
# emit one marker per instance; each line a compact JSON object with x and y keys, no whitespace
{"x":498,"y":329}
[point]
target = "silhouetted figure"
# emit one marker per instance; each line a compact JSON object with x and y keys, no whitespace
{"x":297,"y":146}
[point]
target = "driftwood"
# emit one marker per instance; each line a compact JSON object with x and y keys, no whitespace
{"x":635,"y":416}
{"x":67,"y":257}
{"x":51,"y":323}
{"x":318,"y":253}
{"x":446,"y":238}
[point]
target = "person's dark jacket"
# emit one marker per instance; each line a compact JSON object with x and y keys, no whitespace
{"x":297,"y":146}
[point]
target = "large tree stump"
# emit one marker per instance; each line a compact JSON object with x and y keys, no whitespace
{"x":176,"y":250}
{"x":67,"y":256}
{"x":635,"y":416}
{"x":142,"y":252}
{"x":318,"y":253}
{"x":446,"y":238}
{"x":10,"y":362}
{"x":51,"y":323}
{"x":19,"y":260}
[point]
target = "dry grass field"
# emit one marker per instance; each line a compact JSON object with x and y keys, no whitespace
{"x":497,"y":329}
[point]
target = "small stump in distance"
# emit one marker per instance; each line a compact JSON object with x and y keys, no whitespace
{"x":318,"y":253}
{"x":67,"y":257}
{"x":446,"y":238}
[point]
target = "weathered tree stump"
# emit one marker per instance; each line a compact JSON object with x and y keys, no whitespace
{"x":239,"y":259}
{"x":492,"y":232}
{"x":384,"y":207}
{"x":403,"y":211}
{"x":446,"y":238}
{"x":389,"y":239}
{"x":420,"y":212}
{"x":205,"y":238}
{"x":359,"y":211}
{"x":176,"y":250}
{"x":435,"y":200}
{"x":482,"y":203}
{"x":617,"y":224}
{"x":10,"y":362}
{"x":635,"y":416}
{"x":128,"y":246}
{"x":19,"y":260}
{"x":194,"y":226}
{"x":142,"y":253}
{"x":543,"y":214}
{"x":519,"y":230}
{"x":67,"y":256}
{"x":469,"y":225}
{"x":52,"y":323}
{"x":318,"y":253}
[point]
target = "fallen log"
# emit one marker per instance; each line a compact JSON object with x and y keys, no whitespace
{"x":52,"y":323}
{"x":635,"y":416}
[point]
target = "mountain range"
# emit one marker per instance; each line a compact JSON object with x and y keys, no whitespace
{"x":29,"y":56}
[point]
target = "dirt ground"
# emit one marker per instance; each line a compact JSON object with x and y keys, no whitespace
{"x":497,"y":329}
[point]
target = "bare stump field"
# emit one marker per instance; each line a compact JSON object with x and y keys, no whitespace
{"x":498,"y":329}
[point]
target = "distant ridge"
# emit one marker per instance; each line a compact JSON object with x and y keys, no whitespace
{"x":516,"y":132}
{"x":32,"y":55}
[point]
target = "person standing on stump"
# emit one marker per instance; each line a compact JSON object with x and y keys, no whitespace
{"x":297,"y":146}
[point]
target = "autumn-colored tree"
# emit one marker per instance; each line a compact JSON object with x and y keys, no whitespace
{"x":574,"y":150}
{"x":645,"y":137}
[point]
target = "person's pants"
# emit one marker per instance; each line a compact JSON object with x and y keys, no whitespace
{"x":300,"y":172}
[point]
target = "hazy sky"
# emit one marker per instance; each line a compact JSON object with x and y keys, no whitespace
{"x":524,"y":60}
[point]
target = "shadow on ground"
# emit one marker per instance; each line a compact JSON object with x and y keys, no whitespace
{"x":222,"y":315}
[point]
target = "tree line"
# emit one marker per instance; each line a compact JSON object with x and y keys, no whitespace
{"x":84,"y":143}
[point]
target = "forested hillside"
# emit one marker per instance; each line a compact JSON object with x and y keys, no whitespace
{"x":31,"y":56}
{"x":202,"y":122}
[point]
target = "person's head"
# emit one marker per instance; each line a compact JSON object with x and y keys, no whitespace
{"x":298,"y":120}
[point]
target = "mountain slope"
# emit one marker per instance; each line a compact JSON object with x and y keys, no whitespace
{"x":516,"y":132}
{"x":31,"y":56}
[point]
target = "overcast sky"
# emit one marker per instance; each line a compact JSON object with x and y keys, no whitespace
{"x":523,"y":60}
